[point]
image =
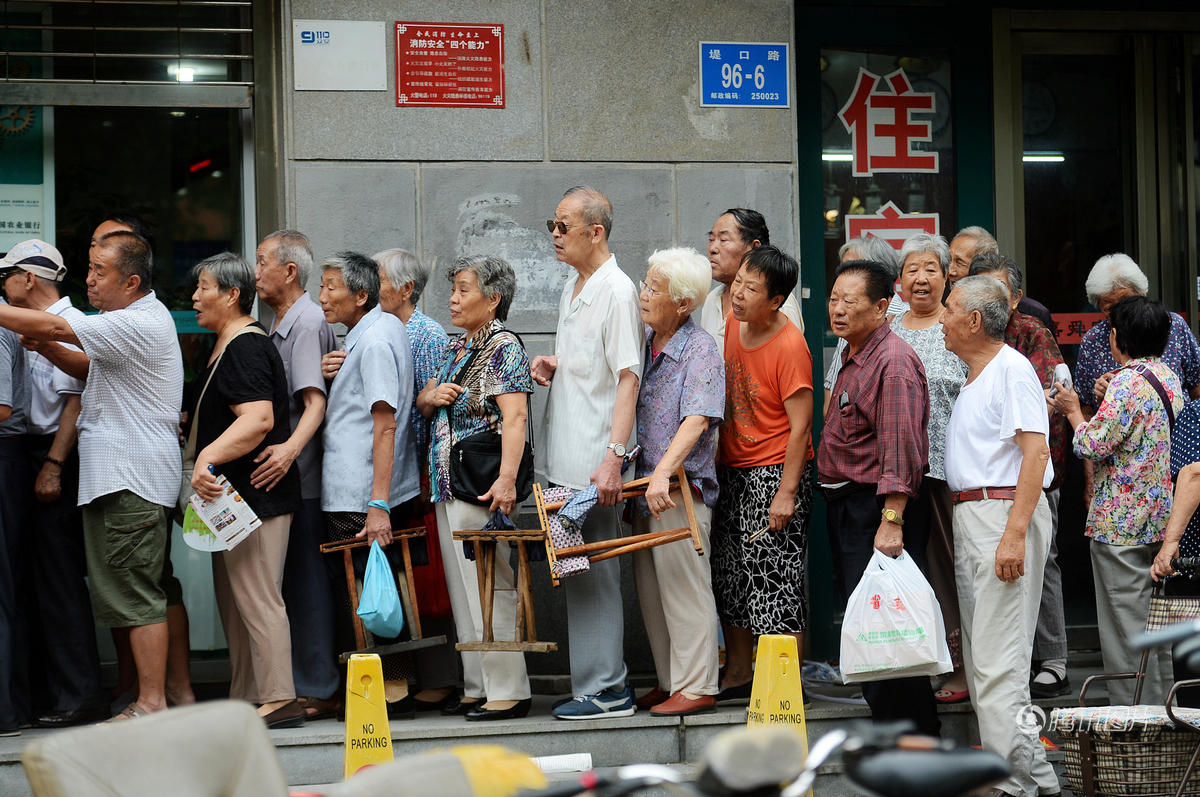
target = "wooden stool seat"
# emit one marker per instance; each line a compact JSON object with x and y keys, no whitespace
{"x":361,"y":634}
{"x":525,"y":635}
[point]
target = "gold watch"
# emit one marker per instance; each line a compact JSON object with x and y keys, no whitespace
{"x":892,"y":516}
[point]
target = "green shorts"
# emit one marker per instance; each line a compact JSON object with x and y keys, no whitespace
{"x":125,"y":537}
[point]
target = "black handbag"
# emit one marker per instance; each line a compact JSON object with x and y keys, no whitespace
{"x":475,"y":459}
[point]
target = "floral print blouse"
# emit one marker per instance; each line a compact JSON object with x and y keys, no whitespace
{"x":945,"y":374}
{"x":1129,"y":442}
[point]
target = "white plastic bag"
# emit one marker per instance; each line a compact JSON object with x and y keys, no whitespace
{"x":893,"y":625}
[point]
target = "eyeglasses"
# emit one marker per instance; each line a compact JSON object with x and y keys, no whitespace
{"x":561,"y":226}
{"x":646,"y":289}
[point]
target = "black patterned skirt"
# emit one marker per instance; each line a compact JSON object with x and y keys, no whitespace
{"x":760,"y":585}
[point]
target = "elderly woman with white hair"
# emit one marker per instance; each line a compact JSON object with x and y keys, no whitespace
{"x":1113,"y":278}
{"x":928,"y":532}
{"x":877,"y":250}
{"x":681,"y":401}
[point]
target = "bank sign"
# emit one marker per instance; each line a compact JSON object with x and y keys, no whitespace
{"x":744,"y":75}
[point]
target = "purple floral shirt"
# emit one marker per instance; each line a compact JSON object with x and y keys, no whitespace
{"x":1182,"y":355}
{"x":686,"y":378}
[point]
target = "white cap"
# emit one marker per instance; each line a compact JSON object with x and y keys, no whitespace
{"x":38,"y":258}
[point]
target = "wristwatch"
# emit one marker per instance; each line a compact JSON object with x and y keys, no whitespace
{"x":617,"y":448}
{"x":892,"y":516}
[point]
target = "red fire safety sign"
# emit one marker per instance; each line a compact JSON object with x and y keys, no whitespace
{"x":449,"y":66}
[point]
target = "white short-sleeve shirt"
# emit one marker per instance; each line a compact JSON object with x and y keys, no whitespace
{"x":599,"y":335}
{"x":50,"y":386}
{"x":981,"y":445}
{"x":129,"y":419}
{"x":712,"y":320}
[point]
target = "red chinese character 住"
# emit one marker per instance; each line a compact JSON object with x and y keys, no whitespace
{"x":882,"y":126}
{"x":875,"y":602}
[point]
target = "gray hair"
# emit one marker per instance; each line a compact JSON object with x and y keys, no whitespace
{"x":596,"y":207}
{"x":402,"y":267}
{"x":359,"y":272}
{"x":495,"y":276}
{"x":991,"y":262}
{"x":230,"y":271}
{"x":1112,"y":272}
{"x":989,"y":296}
{"x":984,"y":241}
{"x":924,"y":242}
{"x":687,"y":272}
{"x":871,"y":247}
{"x":293,"y":247}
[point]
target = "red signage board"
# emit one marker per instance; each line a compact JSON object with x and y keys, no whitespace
{"x":891,"y":224}
{"x":447,"y":65}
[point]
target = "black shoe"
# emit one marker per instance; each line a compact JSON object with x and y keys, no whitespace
{"x":514,"y":712}
{"x":1061,"y":686}
{"x":435,"y":705}
{"x":289,"y":715}
{"x":67,"y":719}
{"x":401,"y":709}
{"x":461,"y":706}
{"x":736,"y":694}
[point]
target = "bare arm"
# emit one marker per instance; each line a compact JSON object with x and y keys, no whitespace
{"x":1187,"y":498}
{"x":799,"y":409}
{"x":279,"y":458}
{"x":37,"y":324}
{"x":514,"y":414}
{"x":72,"y":362}
{"x":254,"y":419}
{"x":1010,"y":553}
{"x":5,"y":412}
{"x":658,"y":493}
{"x":607,"y":475}
{"x":48,"y":486}
{"x":383,"y":454}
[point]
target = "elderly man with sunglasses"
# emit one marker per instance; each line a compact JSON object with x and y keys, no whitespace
{"x":595,"y":367}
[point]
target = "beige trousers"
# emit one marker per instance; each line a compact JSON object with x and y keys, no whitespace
{"x":998,"y":623}
{"x":248,"y":581}
{"x":680,"y":614}
{"x":496,"y":675}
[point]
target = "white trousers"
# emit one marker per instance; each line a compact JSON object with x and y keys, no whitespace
{"x":495,"y":675}
{"x":998,"y":624}
{"x":680,"y":614}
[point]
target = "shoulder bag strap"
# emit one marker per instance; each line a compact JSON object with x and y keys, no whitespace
{"x":189,"y":450}
{"x":528,"y":396}
{"x":1149,"y":376}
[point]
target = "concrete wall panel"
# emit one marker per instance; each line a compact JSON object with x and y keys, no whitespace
{"x":624,"y":82}
{"x":706,"y":192}
{"x":490,"y":210}
{"x":367,"y":125}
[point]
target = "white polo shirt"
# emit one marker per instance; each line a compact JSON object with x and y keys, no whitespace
{"x":49,"y":386}
{"x":712,"y":320}
{"x":599,"y":335}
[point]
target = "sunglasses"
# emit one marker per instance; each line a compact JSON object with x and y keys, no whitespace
{"x":561,"y":226}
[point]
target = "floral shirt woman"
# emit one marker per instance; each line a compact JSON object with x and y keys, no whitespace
{"x":1129,"y":440}
{"x":501,"y":367}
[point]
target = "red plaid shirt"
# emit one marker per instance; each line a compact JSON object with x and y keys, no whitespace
{"x":875,"y":432}
{"x":1028,"y":335}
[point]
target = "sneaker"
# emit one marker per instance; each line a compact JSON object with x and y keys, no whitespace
{"x":609,"y":703}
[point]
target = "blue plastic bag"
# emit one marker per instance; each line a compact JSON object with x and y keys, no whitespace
{"x":379,"y":605}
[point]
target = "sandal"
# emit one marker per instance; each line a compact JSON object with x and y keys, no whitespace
{"x":317,"y":709}
{"x":131,"y":712}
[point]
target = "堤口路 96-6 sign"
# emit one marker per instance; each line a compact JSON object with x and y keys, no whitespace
{"x":744,"y":75}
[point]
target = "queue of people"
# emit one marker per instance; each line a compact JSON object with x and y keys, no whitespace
{"x":941,"y":440}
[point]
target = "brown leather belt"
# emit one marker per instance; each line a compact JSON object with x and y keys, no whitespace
{"x":983,"y":493}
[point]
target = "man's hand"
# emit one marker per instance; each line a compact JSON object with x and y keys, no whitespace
{"x":48,"y":486}
{"x":658,"y":494}
{"x":783,"y":506}
{"x":31,"y":343}
{"x":331,"y":363}
{"x":1101,"y":386}
{"x":542,"y":370}
{"x":607,"y":478}
{"x":1010,"y":556}
{"x":889,"y":539}
{"x":275,"y":461}
{"x":378,"y":527}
